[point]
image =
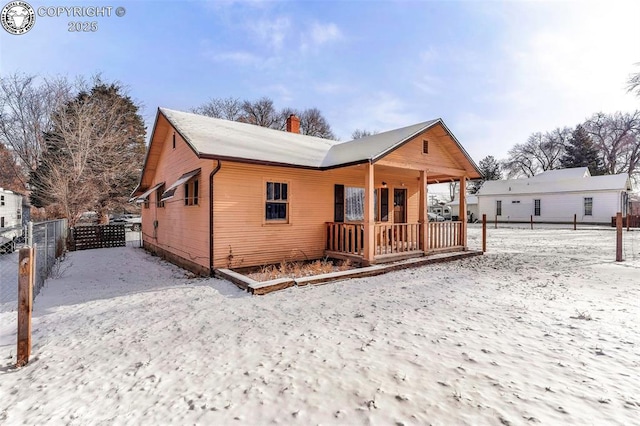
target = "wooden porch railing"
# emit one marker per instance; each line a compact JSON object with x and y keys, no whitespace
{"x":396,"y":237}
{"x":345,"y":237}
{"x":444,"y":235}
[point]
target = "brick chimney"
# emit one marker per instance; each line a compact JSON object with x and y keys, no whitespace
{"x":293,"y":124}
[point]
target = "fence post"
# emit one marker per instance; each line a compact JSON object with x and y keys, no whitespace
{"x":531,"y":221}
{"x":575,"y":221}
{"x":619,"y":237}
{"x":484,"y":233}
{"x":25,"y":301}
{"x":30,"y":232}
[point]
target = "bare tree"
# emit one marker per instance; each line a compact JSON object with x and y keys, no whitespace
{"x":225,"y":108}
{"x":261,"y":113}
{"x":10,"y":171}
{"x":362,"y":133}
{"x":617,"y":137}
{"x":541,"y":152}
{"x":313,"y":123}
{"x":93,"y":156}
{"x":26,"y":107}
{"x":633,"y":84}
{"x":453,"y":190}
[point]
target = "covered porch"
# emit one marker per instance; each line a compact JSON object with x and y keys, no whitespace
{"x":394,"y":226}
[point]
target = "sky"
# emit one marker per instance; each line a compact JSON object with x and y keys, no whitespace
{"x":494,"y":71}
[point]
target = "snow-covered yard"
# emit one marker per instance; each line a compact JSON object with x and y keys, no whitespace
{"x":543,"y":329}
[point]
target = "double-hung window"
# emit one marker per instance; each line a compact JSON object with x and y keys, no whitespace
{"x":277,"y":202}
{"x":588,"y":206}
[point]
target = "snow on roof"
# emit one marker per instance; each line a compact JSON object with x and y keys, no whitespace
{"x":232,"y":139}
{"x":371,"y":147}
{"x":562,"y":180}
{"x":470,"y":199}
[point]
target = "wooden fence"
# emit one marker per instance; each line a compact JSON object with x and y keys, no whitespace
{"x":634,"y":221}
{"x":97,"y":236}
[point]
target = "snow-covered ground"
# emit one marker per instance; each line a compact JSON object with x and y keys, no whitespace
{"x":543,"y":329}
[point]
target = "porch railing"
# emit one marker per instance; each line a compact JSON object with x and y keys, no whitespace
{"x":345,"y":237}
{"x":444,"y":235}
{"x":396,"y":237}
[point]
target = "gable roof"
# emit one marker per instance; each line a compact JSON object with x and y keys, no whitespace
{"x":553,"y":181}
{"x":219,"y":139}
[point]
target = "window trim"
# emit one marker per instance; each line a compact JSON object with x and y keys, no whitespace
{"x":192,"y":200}
{"x":425,"y":146}
{"x":537,"y":206}
{"x":287,"y":202}
{"x":584,"y":206}
{"x":159,"y":192}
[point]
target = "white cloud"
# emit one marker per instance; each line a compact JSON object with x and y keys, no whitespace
{"x":272,"y":32}
{"x":320,"y":34}
{"x":238,"y":57}
{"x":323,"y":33}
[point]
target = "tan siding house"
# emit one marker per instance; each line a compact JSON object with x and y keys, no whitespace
{"x":221,"y":194}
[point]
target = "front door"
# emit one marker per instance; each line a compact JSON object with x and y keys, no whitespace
{"x":399,"y":205}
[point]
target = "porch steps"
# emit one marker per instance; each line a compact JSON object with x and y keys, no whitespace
{"x":265,"y":287}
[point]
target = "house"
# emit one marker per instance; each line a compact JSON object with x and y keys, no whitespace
{"x":472,"y":207}
{"x":11,"y":208}
{"x":224,"y":194}
{"x":556,"y":196}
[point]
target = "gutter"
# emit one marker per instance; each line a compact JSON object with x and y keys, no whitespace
{"x":213,"y":172}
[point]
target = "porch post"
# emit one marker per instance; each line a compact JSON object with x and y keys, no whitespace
{"x":369,"y":224}
{"x":463,"y":210}
{"x":422,"y":213}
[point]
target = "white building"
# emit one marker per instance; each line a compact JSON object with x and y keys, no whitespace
{"x":472,"y":207}
{"x":10,"y":215}
{"x":556,"y":196}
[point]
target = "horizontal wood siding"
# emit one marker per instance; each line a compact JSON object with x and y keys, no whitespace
{"x":443,"y":156}
{"x":242,"y":237}
{"x":181,"y":230}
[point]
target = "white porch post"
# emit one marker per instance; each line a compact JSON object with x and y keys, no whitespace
{"x":463,"y":210}
{"x":369,"y":224}
{"x":422,"y":212}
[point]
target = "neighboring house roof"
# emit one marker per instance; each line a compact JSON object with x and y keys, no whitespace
{"x":564,"y":180}
{"x":470,"y":199}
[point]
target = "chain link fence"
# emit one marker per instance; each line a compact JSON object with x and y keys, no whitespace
{"x":50,"y":241}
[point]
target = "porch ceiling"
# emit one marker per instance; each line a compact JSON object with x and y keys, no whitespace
{"x":434,"y":175}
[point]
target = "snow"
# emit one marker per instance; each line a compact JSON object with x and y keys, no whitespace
{"x":542,"y":329}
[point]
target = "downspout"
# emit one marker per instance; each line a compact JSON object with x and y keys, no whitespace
{"x":213,"y":172}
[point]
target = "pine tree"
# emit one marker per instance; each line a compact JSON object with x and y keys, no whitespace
{"x":580,"y":151}
{"x":490,"y":170}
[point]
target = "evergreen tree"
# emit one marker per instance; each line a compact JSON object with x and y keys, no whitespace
{"x":580,"y":151}
{"x":490,"y":170}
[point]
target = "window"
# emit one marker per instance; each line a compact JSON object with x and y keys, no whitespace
{"x":349,"y":204}
{"x":191,"y":193}
{"x":588,"y":206}
{"x":498,"y":207}
{"x":277,"y":201}
{"x":354,"y":204}
{"x":536,"y":207}
{"x":1,"y":222}
{"x":159,"y":192}
{"x":425,"y":146}
{"x":19,"y":214}
{"x":174,"y":141}
{"x":1,"y":200}
{"x":515,"y":202}
{"x":146,"y":203}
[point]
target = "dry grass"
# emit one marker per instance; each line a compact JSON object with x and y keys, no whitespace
{"x":298,"y":269}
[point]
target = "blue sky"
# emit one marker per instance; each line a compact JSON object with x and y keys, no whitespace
{"x":495,"y":71}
